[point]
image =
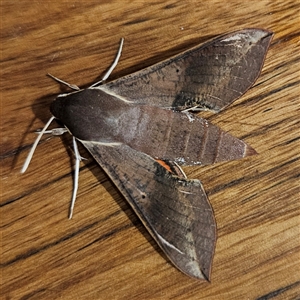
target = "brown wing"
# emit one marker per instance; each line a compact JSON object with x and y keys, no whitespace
{"x":174,"y":210}
{"x":210,"y":76}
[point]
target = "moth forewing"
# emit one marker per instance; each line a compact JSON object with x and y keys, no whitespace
{"x":209,"y":76}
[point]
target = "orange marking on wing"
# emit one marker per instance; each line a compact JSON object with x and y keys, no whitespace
{"x":166,"y":166}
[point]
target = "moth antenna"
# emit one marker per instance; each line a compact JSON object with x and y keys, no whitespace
{"x":113,"y":65}
{"x":30,"y":154}
{"x":76,"y":176}
{"x":71,"y":86}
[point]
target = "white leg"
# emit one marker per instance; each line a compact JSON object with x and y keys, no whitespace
{"x":76,"y":176}
{"x":29,"y":157}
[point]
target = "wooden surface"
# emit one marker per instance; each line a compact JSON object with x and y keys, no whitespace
{"x":104,"y":252}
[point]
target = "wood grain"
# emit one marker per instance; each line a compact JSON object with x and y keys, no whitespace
{"x":104,"y":252}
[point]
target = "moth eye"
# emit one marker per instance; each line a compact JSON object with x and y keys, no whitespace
{"x":143,"y":195}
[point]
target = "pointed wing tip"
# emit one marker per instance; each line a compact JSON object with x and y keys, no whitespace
{"x":259,"y":32}
{"x":267,"y":34}
{"x":264,"y":38}
{"x":249,"y":151}
{"x":204,"y":275}
{"x":258,"y":36}
{"x":197,"y":270}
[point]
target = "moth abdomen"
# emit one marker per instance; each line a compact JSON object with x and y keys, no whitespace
{"x":182,"y":137}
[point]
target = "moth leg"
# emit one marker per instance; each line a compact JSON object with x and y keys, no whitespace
{"x":30,"y":154}
{"x":115,"y":62}
{"x":76,"y":177}
{"x":193,"y":109}
{"x":71,"y":86}
{"x":172,"y":167}
{"x":60,"y":131}
{"x":55,"y":131}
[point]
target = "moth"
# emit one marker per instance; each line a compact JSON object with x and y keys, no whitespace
{"x":141,"y":129}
